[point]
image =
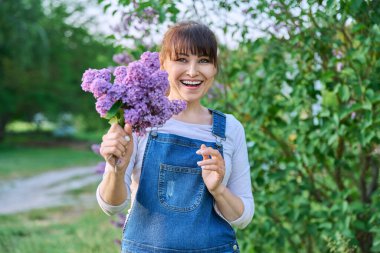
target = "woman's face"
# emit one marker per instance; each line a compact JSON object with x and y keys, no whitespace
{"x":190,"y":76}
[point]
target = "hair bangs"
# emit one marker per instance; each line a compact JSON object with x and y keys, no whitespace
{"x":190,"y":38}
{"x":190,"y":44}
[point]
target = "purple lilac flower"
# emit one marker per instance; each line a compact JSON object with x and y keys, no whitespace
{"x":141,"y":87}
{"x":159,"y":81}
{"x":137,"y":72}
{"x":99,"y":87}
{"x":149,"y":11}
{"x":103,"y":105}
{"x":151,"y":60}
{"x":104,"y":74}
{"x":122,"y":59}
{"x":95,"y":148}
{"x":177,"y":106}
{"x":116,"y":92}
{"x":87,"y":79}
{"x":120,"y":73}
{"x":100,"y":167}
{"x":92,"y":74}
{"x":131,"y":116}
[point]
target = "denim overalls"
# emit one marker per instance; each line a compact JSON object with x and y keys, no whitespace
{"x":173,"y":210}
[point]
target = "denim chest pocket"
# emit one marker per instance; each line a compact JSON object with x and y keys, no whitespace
{"x":180,"y":189}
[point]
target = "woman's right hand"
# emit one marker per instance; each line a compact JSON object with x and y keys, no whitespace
{"x":115,"y":147}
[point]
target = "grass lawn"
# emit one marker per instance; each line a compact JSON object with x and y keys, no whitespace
{"x":80,"y":229}
{"x":27,"y":161}
{"x":29,"y":154}
{"x":59,"y":230}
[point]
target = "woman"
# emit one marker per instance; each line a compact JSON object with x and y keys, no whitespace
{"x":189,"y":180}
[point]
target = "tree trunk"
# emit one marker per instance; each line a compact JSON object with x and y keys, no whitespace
{"x":365,"y":239}
{"x":3,"y":122}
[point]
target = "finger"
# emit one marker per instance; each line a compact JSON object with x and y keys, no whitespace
{"x":115,"y":143}
{"x":205,"y":157}
{"x":111,"y":136}
{"x":128,"y":132}
{"x":201,"y":150}
{"x":119,"y":137}
{"x":114,"y":127}
{"x":111,"y":159}
{"x":209,"y":151}
{"x":116,"y":131}
{"x":207,"y":162}
{"x":124,"y":141}
{"x":107,"y":151}
{"x":210,"y":167}
{"x":128,"y":129}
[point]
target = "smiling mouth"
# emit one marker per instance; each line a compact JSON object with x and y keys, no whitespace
{"x":192,"y":83}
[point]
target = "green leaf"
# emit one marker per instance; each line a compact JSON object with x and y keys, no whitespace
{"x":344,"y":93}
{"x":355,"y":6}
{"x":114,"y":110}
{"x":113,"y":120}
{"x":105,"y":8}
{"x":144,"y":5}
{"x":329,"y":99}
{"x":354,"y":108}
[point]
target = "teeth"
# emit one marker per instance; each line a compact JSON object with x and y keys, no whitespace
{"x":194,"y":83}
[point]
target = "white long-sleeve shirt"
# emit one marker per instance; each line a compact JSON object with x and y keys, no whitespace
{"x":237,"y":174}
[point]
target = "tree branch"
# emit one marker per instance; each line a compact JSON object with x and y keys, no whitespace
{"x":338,"y":169}
{"x":284,"y":146}
{"x":365,"y":161}
{"x":374,"y":182}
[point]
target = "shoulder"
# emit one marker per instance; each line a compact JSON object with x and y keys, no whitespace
{"x":234,"y":131}
{"x":233,"y":124}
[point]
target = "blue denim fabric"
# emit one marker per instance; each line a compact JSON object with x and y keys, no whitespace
{"x":173,"y":210}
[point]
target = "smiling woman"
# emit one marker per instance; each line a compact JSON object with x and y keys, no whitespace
{"x":189,"y":55}
{"x":188,"y":180}
{"x":190,"y":77}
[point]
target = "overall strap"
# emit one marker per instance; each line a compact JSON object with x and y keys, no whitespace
{"x":218,"y":126}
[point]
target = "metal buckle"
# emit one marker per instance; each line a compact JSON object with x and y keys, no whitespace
{"x":218,"y":141}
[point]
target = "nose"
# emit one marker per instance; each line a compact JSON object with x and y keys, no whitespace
{"x":192,"y":71}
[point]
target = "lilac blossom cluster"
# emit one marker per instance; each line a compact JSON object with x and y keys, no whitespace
{"x":140,"y":87}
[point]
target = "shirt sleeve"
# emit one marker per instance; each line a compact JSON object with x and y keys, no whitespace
{"x":239,"y":182}
{"x":111,"y":209}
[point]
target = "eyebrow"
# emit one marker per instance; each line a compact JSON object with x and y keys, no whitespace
{"x":183,"y":54}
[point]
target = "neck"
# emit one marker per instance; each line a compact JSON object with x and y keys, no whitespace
{"x":194,"y":113}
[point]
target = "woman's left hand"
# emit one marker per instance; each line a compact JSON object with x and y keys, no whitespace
{"x":213,"y":168}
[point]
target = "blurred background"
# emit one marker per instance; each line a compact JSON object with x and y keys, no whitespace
{"x":302,"y":76}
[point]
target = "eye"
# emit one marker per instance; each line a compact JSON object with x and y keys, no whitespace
{"x":181,"y":60}
{"x":204,"y":60}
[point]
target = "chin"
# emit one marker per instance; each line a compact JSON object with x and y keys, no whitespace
{"x":191,"y":98}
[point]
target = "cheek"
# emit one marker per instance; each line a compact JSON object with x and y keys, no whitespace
{"x":211,"y":72}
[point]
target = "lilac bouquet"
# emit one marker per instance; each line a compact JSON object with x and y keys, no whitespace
{"x":136,"y":96}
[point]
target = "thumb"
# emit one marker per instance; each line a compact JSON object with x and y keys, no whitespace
{"x":205,"y":157}
{"x":113,"y":127}
{"x":128,"y":129}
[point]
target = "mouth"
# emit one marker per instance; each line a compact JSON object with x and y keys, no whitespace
{"x":192,"y":84}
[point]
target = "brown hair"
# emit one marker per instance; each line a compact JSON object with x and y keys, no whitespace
{"x":192,"y":37}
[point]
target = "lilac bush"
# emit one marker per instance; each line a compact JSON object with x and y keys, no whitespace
{"x":137,"y":94}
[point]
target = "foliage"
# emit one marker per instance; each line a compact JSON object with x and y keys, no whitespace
{"x":42,"y":57}
{"x":307,"y":93}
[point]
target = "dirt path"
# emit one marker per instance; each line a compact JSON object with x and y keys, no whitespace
{"x":47,"y":190}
